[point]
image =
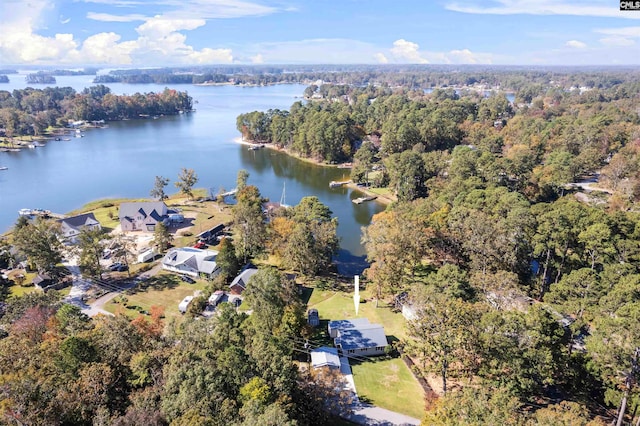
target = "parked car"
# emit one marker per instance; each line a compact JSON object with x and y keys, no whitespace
{"x":115,"y":266}
{"x":187,"y":279}
{"x":200,"y":245}
{"x":122,"y":268}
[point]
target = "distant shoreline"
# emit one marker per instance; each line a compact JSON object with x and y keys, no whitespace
{"x":383,"y":199}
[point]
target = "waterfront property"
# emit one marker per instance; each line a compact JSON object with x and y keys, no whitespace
{"x":72,"y":226}
{"x":191,"y":261}
{"x":358,"y":337}
{"x":142,"y":216}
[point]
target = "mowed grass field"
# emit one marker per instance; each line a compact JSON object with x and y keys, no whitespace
{"x":383,"y":381}
{"x":165,"y":289}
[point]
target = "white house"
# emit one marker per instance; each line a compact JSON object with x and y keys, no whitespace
{"x":191,"y":261}
{"x":71,"y":226}
{"x":358,"y":337}
{"x":142,"y":216}
{"x":239,"y":283}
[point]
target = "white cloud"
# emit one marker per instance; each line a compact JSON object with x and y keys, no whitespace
{"x":617,"y":41}
{"x":257,"y":59}
{"x":379,"y":57}
{"x":575,"y":44}
{"x":107,"y":17}
{"x":64,"y":21}
{"x":542,"y":7}
{"x":622,"y":31}
{"x":407,"y":51}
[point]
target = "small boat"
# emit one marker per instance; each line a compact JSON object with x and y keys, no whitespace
{"x":25,"y":212}
{"x":256,"y":147}
{"x":4,"y":168}
{"x":31,"y":146}
{"x":38,"y":144}
{"x":361,"y":200}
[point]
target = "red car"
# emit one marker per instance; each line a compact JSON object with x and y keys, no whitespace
{"x":200,"y":245}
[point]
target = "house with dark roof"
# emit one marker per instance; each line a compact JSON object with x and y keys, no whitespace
{"x":191,"y":261}
{"x":239,"y":283}
{"x":71,"y":226}
{"x":142,"y":216}
{"x":358,"y":337}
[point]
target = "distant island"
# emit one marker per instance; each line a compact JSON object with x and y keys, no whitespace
{"x":4,"y":78}
{"x":40,"y":78}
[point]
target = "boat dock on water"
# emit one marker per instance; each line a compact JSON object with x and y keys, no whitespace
{"x":256,"y":147}
{"x":361,"y":200}
{"x":40,"y":212}
{"x":337,"y":184}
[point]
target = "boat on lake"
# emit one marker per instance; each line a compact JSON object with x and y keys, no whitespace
{"x":256,"y":147}
{"x":361,"y":200}
{"x":4,"y":168}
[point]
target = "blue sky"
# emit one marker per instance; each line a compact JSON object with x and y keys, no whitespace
{"x":116,"y":33}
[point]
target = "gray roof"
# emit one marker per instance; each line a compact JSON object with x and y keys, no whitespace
{"x":198,"y":260}
{"x":348,"y":323}
{"x":80,"y":220}
{"x":370,"y":336}
{"x":243,"y":278}
{"x":325,"y":357}
{"x":147,"y":209}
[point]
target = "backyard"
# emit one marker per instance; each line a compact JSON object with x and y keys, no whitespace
{"x":165,"y":290}
{"x":383,"y":381}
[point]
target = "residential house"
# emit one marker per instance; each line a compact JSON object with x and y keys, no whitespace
{"x":71,"y":226}
{"x":325,"y":357}
{"x":142,"y":216}
{"x":191,"y":261}
{"x":43,"y":281}
{"x":239,"y":283}
{"x":358,"y":337}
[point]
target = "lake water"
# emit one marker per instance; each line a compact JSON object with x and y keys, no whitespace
{"x":123,"y":159}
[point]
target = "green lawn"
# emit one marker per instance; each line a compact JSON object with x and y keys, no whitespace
{"x":165,"y":289}
{"x":388,"y":383}
{"x":335,"y":305}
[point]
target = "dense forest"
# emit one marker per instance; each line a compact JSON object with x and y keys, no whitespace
{"x":524,"y":284}
{"x":31,"y":111}
{"x":510,"y":79}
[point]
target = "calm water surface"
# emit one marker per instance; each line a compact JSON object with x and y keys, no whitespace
{"x":122,"y":160}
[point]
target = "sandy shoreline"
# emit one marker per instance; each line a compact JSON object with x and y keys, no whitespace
{"x":380,"y":198}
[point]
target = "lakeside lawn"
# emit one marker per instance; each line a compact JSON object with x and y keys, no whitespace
{"x":165,"y":289}
{"x":336,"y":304}
{"x":388,"y":383}
{"x":385,"y":382}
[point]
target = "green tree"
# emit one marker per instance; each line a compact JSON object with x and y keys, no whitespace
{"x":187,"y":178}
{"x":40,"y":243}
{"x":162,"y":238}
{"x":226,"y":259}
{"x":91,"y":247}
{"x":241,"y":180}
{"x":249,"y":222}
{"x":158,"y":188}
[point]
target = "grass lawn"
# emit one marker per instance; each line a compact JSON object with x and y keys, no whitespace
{"x":165,"y":289}
{"x":388,"y":383}
{"x":334,"y":305}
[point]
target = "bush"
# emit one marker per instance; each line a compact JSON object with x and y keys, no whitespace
{"x":187,"y":234}
{"x":107,"y":204}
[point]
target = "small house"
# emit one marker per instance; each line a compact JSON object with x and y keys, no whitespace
{"x":358,"y":337}
{"x":71,"y":227}
{"x":239,"y":283}
{"x":43,"y":281}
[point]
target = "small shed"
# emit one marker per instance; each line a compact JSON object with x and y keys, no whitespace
{"x":313,"y":318}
